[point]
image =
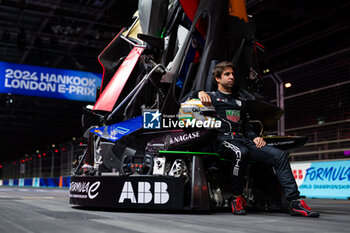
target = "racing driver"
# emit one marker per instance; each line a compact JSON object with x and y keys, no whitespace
{"x":236,"y":138}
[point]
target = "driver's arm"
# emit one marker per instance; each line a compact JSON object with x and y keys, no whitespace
{"x":205,"y":98}
{"x":202,"y":95}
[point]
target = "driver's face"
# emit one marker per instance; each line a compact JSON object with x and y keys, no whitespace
{"x":227,"y":79}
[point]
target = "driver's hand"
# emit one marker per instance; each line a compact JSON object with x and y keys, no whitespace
{"x":204,"y":98}
{"x":259,"y":142}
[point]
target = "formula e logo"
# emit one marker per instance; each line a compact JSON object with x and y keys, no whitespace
{"x":151,"y":119}
{"x":84,"y":188}
{"x":144,"y":194}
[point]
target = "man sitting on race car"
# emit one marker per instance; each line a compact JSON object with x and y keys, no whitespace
{"x":237,"y":138}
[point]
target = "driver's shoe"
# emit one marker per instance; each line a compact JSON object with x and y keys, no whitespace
{"x":300,"y":208}
{"x":237,"y":205}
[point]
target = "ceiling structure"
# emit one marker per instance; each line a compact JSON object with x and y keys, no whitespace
{"x":70,"y":34}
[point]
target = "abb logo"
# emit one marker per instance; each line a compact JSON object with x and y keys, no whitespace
{"x":144,"y":193}
{"x":298,"y":174}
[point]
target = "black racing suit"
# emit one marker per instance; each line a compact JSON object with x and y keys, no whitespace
{"x":236,"y":138}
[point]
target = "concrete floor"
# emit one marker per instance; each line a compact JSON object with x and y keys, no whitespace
{"x":48,"y":210}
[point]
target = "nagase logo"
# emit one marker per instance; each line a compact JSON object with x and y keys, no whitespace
{"x":184,"y":137}
{"x":144,"y":194}
{"x":84,"y":189}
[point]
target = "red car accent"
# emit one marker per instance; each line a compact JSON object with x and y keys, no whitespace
{"x":112,"y":92}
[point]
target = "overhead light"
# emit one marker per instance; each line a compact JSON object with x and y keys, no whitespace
{"x":320,"y":120}
{"x":9,"y":100}
{"x":53,"y":145}
{"x":266,"y":71}
{"x":288,"y":85}
{"x":89,"y":106}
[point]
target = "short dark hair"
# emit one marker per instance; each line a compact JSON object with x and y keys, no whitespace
{"x":219,"y":68}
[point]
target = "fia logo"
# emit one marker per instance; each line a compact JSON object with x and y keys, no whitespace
{"x":151,"y":119}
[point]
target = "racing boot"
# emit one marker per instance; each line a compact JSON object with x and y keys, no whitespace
{"x":237,"y":205}
{"x":299,"y":208}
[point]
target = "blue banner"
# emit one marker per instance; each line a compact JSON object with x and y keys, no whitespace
{"x":48,"y":82}
{"x":52,"y":182}
{"x":49,"y":182}
{"x":330,"y":179}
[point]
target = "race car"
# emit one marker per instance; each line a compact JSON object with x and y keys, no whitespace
{"x":129,"y":166}
{"x":138,"y":153}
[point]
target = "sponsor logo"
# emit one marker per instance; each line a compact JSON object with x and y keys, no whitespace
{"x":36,"y":182}
{"x":84,"y":189}
{"x":281,"y":143}
{"x":144,"y":194}
{"x":21,"y":182}
{"x":184,"y":137}
{"x":151,"y":119}
{"x":233,"y":115}
{"x":330,"y":173}
{"x":323,"y":179}
{"x":298,"y":174}
{"x":239,"y":103}
{"x":221,"y":100}
{"x":118,"y":131}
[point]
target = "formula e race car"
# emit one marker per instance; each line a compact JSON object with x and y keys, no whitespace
{"x":139,"y":154}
